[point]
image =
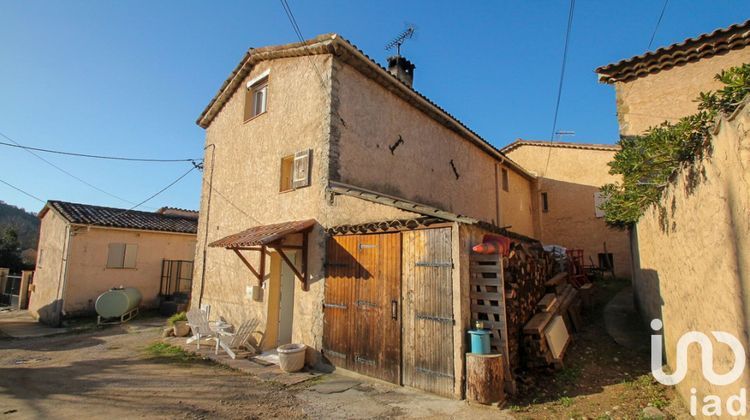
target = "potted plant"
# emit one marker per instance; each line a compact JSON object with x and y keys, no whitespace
{"x":179,"y":324}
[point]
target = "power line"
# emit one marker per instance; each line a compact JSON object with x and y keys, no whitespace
{"x":23,"y":192}
{"x":658,"y":22}
{"x":155,"y":194}
{"x":59,"y":152}
{"x":562,"y":78}
{"x":298,"y":32}
{"x":70,"y":174}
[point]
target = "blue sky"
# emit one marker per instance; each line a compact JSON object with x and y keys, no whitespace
{"x":130,"y":78}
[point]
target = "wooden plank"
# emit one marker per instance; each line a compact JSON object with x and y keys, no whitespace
{"x":485,"y":258}
{"x":485,"y":268}
{"x":486,"y":309}
{"x":547,"y":302}
{"x":496,"y":296}
{"x":537,"y":323}
{"x":428,"y":295}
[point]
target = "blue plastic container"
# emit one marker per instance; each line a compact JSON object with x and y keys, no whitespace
{"x":480,"y":341}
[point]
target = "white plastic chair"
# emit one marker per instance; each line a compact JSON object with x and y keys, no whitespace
{"x":230,"y":342}
{"x":199,"y":326}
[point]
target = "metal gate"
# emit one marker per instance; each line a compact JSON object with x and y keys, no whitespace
{"x":362,"y":307}
{"x":428,"y":361}
{"x":176,"y":279}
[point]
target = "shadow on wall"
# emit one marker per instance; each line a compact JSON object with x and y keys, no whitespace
{"x":49,"y":314}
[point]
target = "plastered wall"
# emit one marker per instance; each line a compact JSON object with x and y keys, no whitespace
{"x":418,"y":168}
{"x":693,"y":257}
{"x":53,"y":235}
{"x":243,"y":183}
{"x":88,"y":275}
{"x":570,"y":180}
{"x":670,"y":94}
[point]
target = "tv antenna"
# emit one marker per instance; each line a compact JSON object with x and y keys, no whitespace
{"x":400,"y":39}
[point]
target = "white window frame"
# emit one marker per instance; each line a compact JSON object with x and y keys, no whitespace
{"x":258,"y":86}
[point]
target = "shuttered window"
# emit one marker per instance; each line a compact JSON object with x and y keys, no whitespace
{"x":295,"y":171}
{"x":122,"y":255}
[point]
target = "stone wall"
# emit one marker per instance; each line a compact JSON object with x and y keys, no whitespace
{"x":692,"y":256}
{"x":669,"y":95}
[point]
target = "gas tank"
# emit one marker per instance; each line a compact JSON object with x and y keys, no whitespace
{"x":117,"y":302}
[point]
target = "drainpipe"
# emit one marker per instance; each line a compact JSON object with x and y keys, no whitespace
{"x":208,"y":217}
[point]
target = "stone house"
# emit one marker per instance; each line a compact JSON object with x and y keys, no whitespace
{"x":333,"y":194}
{"x":569,"y":177}
{"x":85,"y":250}
{"x":690,"y":260}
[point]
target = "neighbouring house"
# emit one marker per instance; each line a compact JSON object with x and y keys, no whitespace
{"x":339,"y":206}
{"x":85,"y":250}
{"x":570,"y":175}
{"x":662,"y":85}
{"x":690,"y":254}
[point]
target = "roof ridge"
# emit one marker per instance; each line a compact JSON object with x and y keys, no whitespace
{"x":561,"y":144}
{"x":724,"y":39}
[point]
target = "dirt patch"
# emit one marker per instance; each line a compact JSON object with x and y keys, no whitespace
{"x":110,"y":373}
{"x":601,"y":379}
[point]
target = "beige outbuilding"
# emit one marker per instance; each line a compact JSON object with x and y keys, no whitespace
{"x":569,"y":178}
{"x":85,"y":250}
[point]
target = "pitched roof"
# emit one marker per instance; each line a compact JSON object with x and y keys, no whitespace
{"x":351,"y":54}
{"x":263,"y":235}
{"x":559,"y":144}
{"x":717,"y":42}
{"x":87,"y":214}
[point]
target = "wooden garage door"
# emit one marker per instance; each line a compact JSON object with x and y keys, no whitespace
{"x":428,"y":310}
{"x":362,"y":322}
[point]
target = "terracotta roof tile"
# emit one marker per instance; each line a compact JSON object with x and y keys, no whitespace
{"x":719,"y":41}
{"x":559,"y":144}
{"x":87,"y":214}
{"x":263,"y":235}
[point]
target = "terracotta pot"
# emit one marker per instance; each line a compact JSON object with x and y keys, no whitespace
{"x":181,"y":329}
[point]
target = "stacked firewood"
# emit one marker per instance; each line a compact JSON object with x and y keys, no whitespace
{"x":526,"y":270}
{"x":562,"y":300}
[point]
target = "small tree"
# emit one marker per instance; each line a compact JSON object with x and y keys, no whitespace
{"x":647,"y":163}
{"x":10,"y":250}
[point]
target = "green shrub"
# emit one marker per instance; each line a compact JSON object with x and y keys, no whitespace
{"x":649,"y":162}
{"x":179,"y":316}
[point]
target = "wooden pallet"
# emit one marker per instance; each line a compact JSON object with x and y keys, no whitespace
{"x":487,"y":297}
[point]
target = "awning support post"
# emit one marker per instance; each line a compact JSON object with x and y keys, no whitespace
{"x":259,"y":276}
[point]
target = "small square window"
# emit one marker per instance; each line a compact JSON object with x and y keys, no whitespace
{"x":506,"y":186}
{"x":121,"y":255}
{"x":256,"y":99}
{"x":295,"y":171}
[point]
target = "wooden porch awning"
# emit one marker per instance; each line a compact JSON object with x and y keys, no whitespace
{"x":262,"y":235}
{"x":260,"y":238}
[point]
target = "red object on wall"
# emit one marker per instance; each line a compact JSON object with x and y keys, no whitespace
{"x":493,"y":244}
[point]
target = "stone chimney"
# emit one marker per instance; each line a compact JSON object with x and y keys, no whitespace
{"x":401,"y":68}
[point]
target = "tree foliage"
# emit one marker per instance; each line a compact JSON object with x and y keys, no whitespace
{"x":10,"y":250}
{"x":648,"y":162}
